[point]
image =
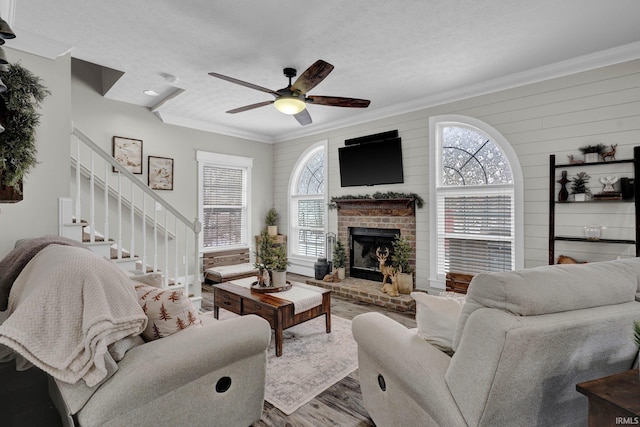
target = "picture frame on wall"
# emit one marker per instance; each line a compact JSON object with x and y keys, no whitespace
{"x":128,"y":152}
{"x":160,"y":170}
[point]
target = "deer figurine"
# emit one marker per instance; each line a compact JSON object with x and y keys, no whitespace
{"x":384,"y":268}
{"x":574,"y":161}
{"x":609,"y":153}
{"x":391,"y":289}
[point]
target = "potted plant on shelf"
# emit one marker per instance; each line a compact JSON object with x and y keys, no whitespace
{"x":19,"y":118}
{"x":400,"y":260}
{"x":592,"y":152}
{"x":579,"y":187}
{"x":264,"y":258}
{"x":271,"y":220}
{"x":339,"y":258}
{"x":279,"y":265}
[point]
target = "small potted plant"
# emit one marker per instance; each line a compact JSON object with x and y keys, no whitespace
{"x":279,"y":265}
{"x":579,"y":187}
{"x":339,"y":258}
{"x":271,"y":220}
{"x":401,"y":260}
{"x":592,"y":152}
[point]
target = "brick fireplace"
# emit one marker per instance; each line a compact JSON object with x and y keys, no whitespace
{"x":371,"y":214}
{"x":387,"y":215}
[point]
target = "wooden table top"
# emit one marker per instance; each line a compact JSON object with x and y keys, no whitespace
{"x":266,"y":298}
{"x":622,"y":390}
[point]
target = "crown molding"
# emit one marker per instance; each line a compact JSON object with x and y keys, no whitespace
{"x":576,"y":65}
{"x":38,"y":45}
{"x":176,"y":120}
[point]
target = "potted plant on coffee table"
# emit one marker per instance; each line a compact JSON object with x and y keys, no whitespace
{"x":401,"y":260}
{"x":264,"y":258}
{"x":279,"y":265}
{"x":339,"y":259}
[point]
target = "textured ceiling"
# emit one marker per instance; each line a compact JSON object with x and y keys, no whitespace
{"x":398,"y":54}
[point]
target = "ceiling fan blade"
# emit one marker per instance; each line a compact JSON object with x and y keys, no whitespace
{"x":303,"y":117}
{"x":249,"y":107}
{"x":245,"y":84}
{"x":312,"y":76}
{"x":336,"y":101}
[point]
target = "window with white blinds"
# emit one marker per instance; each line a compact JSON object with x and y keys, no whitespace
{"x":308,"y":206}
{"x":223,"y":202}
{"x":474,"y":203}
{"x":476,"y":231}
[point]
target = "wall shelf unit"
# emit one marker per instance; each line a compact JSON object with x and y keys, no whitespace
{"x":553,"y":179}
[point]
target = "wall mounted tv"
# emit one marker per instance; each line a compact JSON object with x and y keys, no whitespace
{"x":371,"y":163}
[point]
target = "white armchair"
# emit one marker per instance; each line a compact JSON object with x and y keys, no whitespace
{"x":523,"y":341}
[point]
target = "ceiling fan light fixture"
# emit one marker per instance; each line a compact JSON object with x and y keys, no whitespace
{"x":289,"y":104}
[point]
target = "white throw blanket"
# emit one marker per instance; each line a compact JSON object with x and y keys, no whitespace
{"x":65,"y":308}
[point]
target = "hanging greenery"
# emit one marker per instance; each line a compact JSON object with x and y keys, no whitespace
{"x":19,"y":117}
{"x":379,"y":195}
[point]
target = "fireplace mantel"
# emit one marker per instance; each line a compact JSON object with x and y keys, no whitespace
{"x":376,"y":207}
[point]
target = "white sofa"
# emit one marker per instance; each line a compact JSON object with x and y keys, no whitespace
{"x":193,"y":370}
{"x":523,"y":341}
{"x":182,"y":380}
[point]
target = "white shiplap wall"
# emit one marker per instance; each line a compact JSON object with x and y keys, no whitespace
{"x":554,"y":116}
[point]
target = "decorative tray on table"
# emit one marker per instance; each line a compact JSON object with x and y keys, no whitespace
{"x":255,"y":287}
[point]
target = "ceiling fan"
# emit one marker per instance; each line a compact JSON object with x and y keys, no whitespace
{"x":293,"y":98}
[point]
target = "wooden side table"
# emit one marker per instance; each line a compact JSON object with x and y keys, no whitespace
{"x":613,"y":400}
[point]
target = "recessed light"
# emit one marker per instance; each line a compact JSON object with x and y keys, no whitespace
{"x":150,"y":92}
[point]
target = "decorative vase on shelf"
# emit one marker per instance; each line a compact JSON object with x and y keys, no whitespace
{"x":563,"y":195}
{"x":592,"y":232}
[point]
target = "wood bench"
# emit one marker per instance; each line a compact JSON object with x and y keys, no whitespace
{"x":458,"y":282}
{"x":227,"y":265}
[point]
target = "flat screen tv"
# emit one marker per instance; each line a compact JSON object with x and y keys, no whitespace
{"x":373,"y":163}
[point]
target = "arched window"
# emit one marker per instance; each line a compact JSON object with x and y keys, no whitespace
{"x":476,"y":199}
{"x":307,"y":216}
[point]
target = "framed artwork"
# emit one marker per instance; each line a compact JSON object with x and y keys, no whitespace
{"x":160,"y":173}
{"x":128,"y":152}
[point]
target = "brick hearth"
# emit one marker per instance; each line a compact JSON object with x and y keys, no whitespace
{"x":367,"y":291}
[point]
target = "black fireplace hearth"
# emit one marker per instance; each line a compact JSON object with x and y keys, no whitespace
{"x":363,"y":242}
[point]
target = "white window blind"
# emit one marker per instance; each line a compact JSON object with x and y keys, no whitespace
{"x":309,"y":223}
{"x":308,"y":206}
{"x":476,"y":231}
{"x":224,"y":206}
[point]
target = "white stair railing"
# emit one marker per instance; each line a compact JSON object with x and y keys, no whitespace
{"x":125,"y":207}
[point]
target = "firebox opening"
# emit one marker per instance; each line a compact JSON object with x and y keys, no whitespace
{"x":363,"y":242}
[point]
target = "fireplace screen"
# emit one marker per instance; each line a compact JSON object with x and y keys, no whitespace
{"x":362,"y":251}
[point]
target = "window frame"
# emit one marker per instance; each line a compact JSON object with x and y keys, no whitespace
{"x":436,"y":124}
{"x":300,"y":263}
{"x":206,"y":158}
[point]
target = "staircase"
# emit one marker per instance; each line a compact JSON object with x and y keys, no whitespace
{"x":138,"y":229}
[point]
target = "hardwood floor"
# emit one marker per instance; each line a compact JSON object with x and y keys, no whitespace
{"x":24,"y":400}
{"x":341,"y":404}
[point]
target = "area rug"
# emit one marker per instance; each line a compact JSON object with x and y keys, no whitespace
{"x":311,"y":361}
